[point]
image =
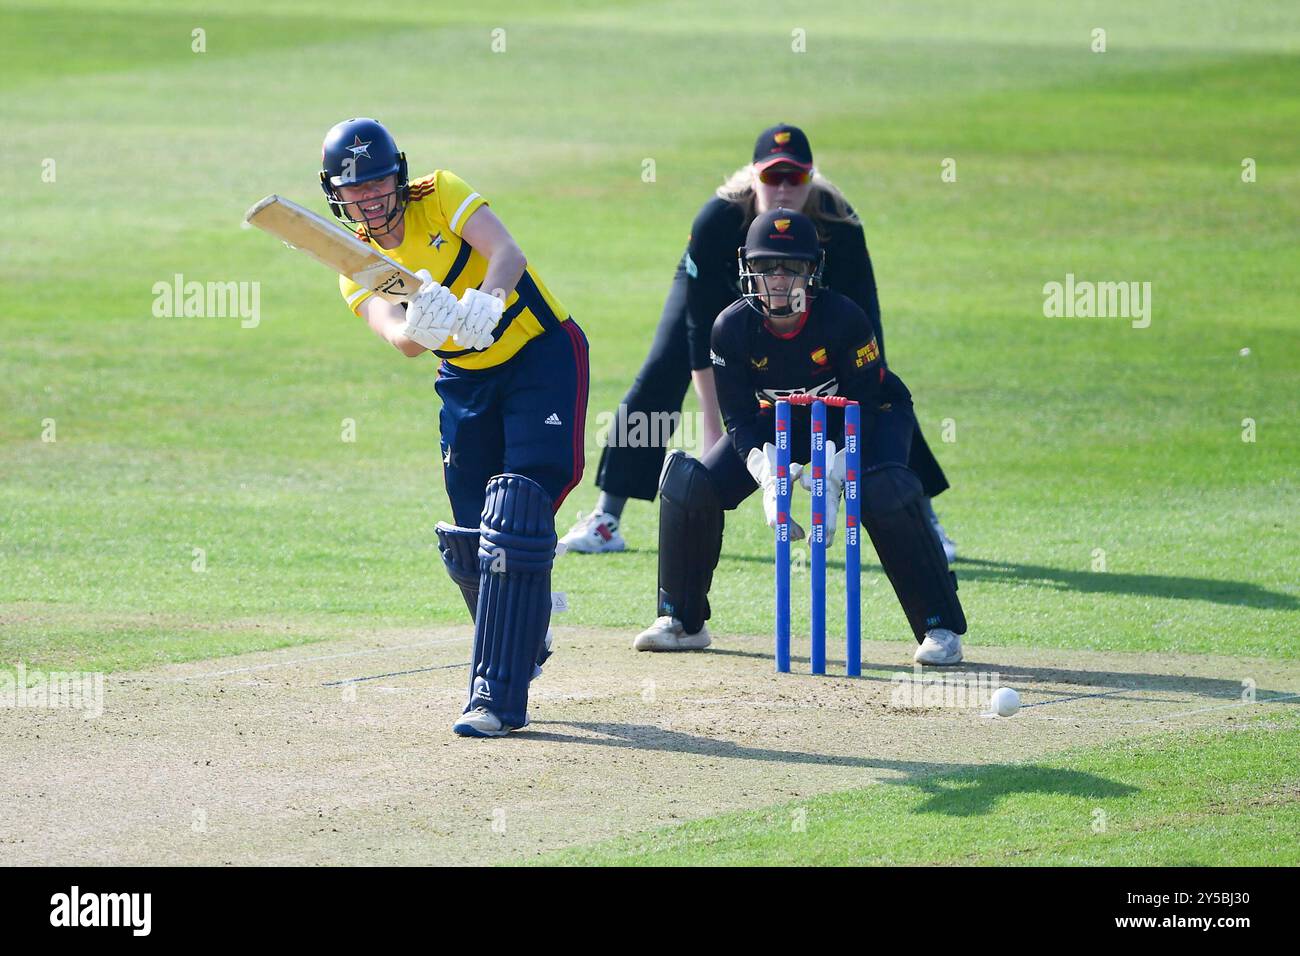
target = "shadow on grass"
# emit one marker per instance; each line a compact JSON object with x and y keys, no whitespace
{"x":954,"y":789}
{"x":1234,"y":593}
{"x":973,"y":794}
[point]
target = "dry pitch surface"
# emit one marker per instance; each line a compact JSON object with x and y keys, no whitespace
{"x":342,"y":753}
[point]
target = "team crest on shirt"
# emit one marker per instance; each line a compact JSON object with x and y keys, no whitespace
{"x":759,"y":363}
{"x":781,"y":225}
{"x":867,"y":353}
{"x":819,"y":356}
{"x":437,"y":241}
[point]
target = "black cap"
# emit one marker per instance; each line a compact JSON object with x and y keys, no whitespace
{"x":782,"y":234}
{"x":782,"y":144}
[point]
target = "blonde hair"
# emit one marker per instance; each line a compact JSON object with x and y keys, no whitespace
{"x":825,"y":203}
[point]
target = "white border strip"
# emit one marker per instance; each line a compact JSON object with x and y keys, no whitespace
{"x":455,"y":219}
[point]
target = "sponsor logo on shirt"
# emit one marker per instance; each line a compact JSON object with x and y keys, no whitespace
{"x":867,"y":353}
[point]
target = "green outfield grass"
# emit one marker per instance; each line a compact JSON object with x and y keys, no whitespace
{"x":1077,"y":444}
{"x":1227,"y":798}
{"x":1071,"y":435}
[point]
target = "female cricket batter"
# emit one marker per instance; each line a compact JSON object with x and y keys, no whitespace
{"x":513,"y":384}
{"x":781,"y":174}
{"x":787,"y":335}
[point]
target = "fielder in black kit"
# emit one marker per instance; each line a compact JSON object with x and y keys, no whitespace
{"x":787,"y":335}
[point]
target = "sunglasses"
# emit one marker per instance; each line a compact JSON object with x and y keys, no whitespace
{"x":793,"y":175}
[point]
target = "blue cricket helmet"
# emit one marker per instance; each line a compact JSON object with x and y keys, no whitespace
{"x":357,"y":151}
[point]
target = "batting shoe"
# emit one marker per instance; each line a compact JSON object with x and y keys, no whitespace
{"x":594,"y":533}
{"x":480,"y":722}
{"x":667,"y":634}
{"x":941,"y":646}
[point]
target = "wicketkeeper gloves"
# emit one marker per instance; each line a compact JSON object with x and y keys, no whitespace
{"x":835,"y":471}
{"x":762,"y":465}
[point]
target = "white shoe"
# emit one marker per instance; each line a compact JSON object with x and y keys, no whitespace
{"x":940,"y":646}
{"x":667,"y":634}
{"x":480,"y":722}
{"x":594,"y":533}
{"x":949,"y":546}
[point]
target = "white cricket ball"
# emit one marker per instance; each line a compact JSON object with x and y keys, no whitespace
{"x":1244,"y":352}
{"x":1005,"y":702}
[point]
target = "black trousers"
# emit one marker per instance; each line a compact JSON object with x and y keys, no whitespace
{"x":632,"y":470}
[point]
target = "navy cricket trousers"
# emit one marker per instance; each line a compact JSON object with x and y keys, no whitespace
{"x":525,"y":416}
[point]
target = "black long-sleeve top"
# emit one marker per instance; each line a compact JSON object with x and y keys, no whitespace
{"x":713,"y":284}
{"x":833,"y":351}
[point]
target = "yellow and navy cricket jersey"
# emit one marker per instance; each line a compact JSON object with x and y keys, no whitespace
{"x":440,"y":206}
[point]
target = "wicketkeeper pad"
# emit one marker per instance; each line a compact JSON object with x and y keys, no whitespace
{"x":690,"y":540}
{"x":909,"y":550}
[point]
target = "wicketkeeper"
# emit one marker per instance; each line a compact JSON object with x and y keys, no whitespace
{"x":787,"y":335}
{"x":782,"y":174}
{"x":513,"y":384}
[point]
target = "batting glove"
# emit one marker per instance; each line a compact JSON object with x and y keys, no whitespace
{"x":835,"y":471}
{"x":762,"y":465}
{"x":479,"y":314}
{"x":431,"y":314}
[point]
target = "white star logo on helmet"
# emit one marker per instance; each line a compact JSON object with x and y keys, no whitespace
{"x":359,"y":149}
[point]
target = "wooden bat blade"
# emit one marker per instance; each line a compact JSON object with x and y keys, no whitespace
{"x":333,"y":246}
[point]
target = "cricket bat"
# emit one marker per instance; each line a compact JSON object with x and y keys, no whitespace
{"x":333,"y":246}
